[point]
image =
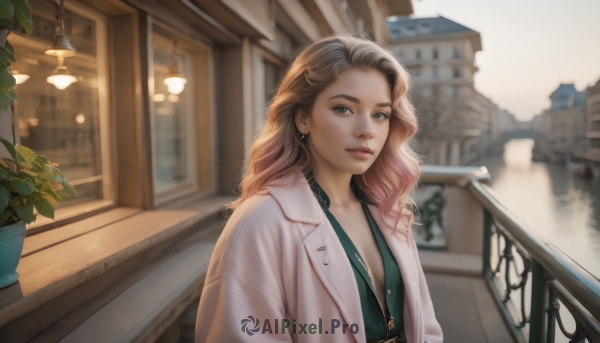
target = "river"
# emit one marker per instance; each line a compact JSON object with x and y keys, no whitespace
{"x":561,"y":206}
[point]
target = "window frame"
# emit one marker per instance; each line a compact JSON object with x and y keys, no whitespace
{"x":69,"y":214}
{"x":194,"y":47}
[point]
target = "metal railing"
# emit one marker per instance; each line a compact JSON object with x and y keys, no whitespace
{"x":526,"y":274}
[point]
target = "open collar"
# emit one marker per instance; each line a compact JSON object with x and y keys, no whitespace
{"x":295,"y":196}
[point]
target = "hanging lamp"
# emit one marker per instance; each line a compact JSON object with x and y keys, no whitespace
{"x":61,"y":48}
{"x":174,"y":79}
{"x":19,"y":77}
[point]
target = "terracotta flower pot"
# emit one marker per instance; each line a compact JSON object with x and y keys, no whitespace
{"x":11,"y":247}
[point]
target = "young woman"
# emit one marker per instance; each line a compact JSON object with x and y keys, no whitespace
{"x":319,"y":247}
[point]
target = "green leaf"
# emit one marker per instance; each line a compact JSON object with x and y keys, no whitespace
{"x":7,"y":10}
{"x":53,"y":194}
{"x":22,"y":186}
{"x":6,"y":80}
{"x":7,"y":54}
{"x":7,"y":93}
{"x":6,"y":23}
{"x":25,"y":176}
{"x":26,"y":153}
{"x":4,"y":198}
{"x":7,"y":97}
{"x":25,"y":213}
{"x":10,"y":147}
{"x":23,"y":13}
{"x":58,"y":176}
{"x":10,"y":49}
{"x":4,"y":217}
{"x":45,"y":208}
{"x":6,"y":170}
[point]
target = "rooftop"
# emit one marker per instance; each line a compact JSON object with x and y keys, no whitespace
{"x":406,"y":28}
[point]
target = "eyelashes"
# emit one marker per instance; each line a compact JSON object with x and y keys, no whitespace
{"x":385,"y":116}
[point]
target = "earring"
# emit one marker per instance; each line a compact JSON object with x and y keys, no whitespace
{"x":302,"y":137}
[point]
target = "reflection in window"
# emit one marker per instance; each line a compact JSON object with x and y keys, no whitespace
{"x":63,"y":125}
{"x":174,"y":161}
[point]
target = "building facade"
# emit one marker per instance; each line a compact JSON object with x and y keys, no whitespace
{"x":457,"y":122}
{"x":152,"y":162}
{"x":561,"y":128}
{"x":592,"y":134}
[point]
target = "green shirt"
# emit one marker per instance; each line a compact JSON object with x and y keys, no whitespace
{"x":375,"y":322}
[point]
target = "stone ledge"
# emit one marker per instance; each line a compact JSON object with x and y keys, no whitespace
{"x":451,"y":263}
{"x":56,"y":281}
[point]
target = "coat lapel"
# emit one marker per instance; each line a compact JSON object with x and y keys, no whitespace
{"x":322,"y":246}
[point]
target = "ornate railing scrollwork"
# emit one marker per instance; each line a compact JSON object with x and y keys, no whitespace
{"x":505,"y":254}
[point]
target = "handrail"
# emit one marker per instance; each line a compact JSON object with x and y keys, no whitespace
{"x":546,"y":273}
{"x":583,"y":285}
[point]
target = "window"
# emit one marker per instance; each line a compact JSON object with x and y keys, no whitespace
{"x":415,"y":71}
{"x":434,"y":72}
{"x":456,"y":73}
{"x":418,"y":54}
{"x":456,"y":53}
{"x":400,"y":54}
{"x":173,"y":121}
{"x":409,"y":31}
{"x":425,"y":28}
{"x":69,"y":126}
{"x":455,"y":92}
{"x":435,"y":54}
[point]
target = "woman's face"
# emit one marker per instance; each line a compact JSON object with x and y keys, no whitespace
{"x":349,"y":123}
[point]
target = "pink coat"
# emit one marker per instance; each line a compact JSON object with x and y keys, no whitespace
{"x":279,"y":258}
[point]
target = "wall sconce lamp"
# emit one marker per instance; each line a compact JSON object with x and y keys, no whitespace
{"x":61,"y":48}
{"x":175,"y":80}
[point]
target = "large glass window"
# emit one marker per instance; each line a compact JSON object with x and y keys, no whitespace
{"x":173,"y":120}
{"x":66,"y":125}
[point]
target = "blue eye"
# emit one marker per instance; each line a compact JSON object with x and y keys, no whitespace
{"x":383,"y":115}
{"x":341,"y":109}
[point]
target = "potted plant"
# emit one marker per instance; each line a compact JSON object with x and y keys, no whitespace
{"x":27,"y":182}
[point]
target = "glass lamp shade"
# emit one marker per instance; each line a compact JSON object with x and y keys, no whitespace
{"x":19,"y":78}
{"x":61,"y":78}
{"x":175,"y":84}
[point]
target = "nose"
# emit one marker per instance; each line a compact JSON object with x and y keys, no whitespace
{"x":364,"y":127}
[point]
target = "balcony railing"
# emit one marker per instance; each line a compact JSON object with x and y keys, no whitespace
{"x":528,"y":276}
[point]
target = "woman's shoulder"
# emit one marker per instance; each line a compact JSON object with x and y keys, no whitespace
{"x":258,"y":214}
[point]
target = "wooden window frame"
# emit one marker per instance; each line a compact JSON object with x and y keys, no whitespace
{"x":76,"y":212}
{"x":202,"y":81}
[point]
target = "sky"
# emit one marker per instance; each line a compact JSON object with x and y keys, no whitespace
{"x":529,"y":46}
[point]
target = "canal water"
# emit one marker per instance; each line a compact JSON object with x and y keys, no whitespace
{"x":561,"y":206}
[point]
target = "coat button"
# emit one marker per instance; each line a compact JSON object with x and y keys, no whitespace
{"x":389,"y":291}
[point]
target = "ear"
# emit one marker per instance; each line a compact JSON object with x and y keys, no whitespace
{"x":301,"y":121}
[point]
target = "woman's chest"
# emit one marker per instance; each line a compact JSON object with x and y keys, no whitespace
{"x":357,"y":228}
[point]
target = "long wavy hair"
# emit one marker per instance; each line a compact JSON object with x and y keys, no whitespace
{"x":278,"y":151}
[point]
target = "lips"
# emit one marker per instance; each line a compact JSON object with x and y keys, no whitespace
{"x":362,"y":149}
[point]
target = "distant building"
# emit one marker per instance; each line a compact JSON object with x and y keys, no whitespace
{"x":561,"y":128}
{"x":456,"y":120}
{"x":592,"y":133}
